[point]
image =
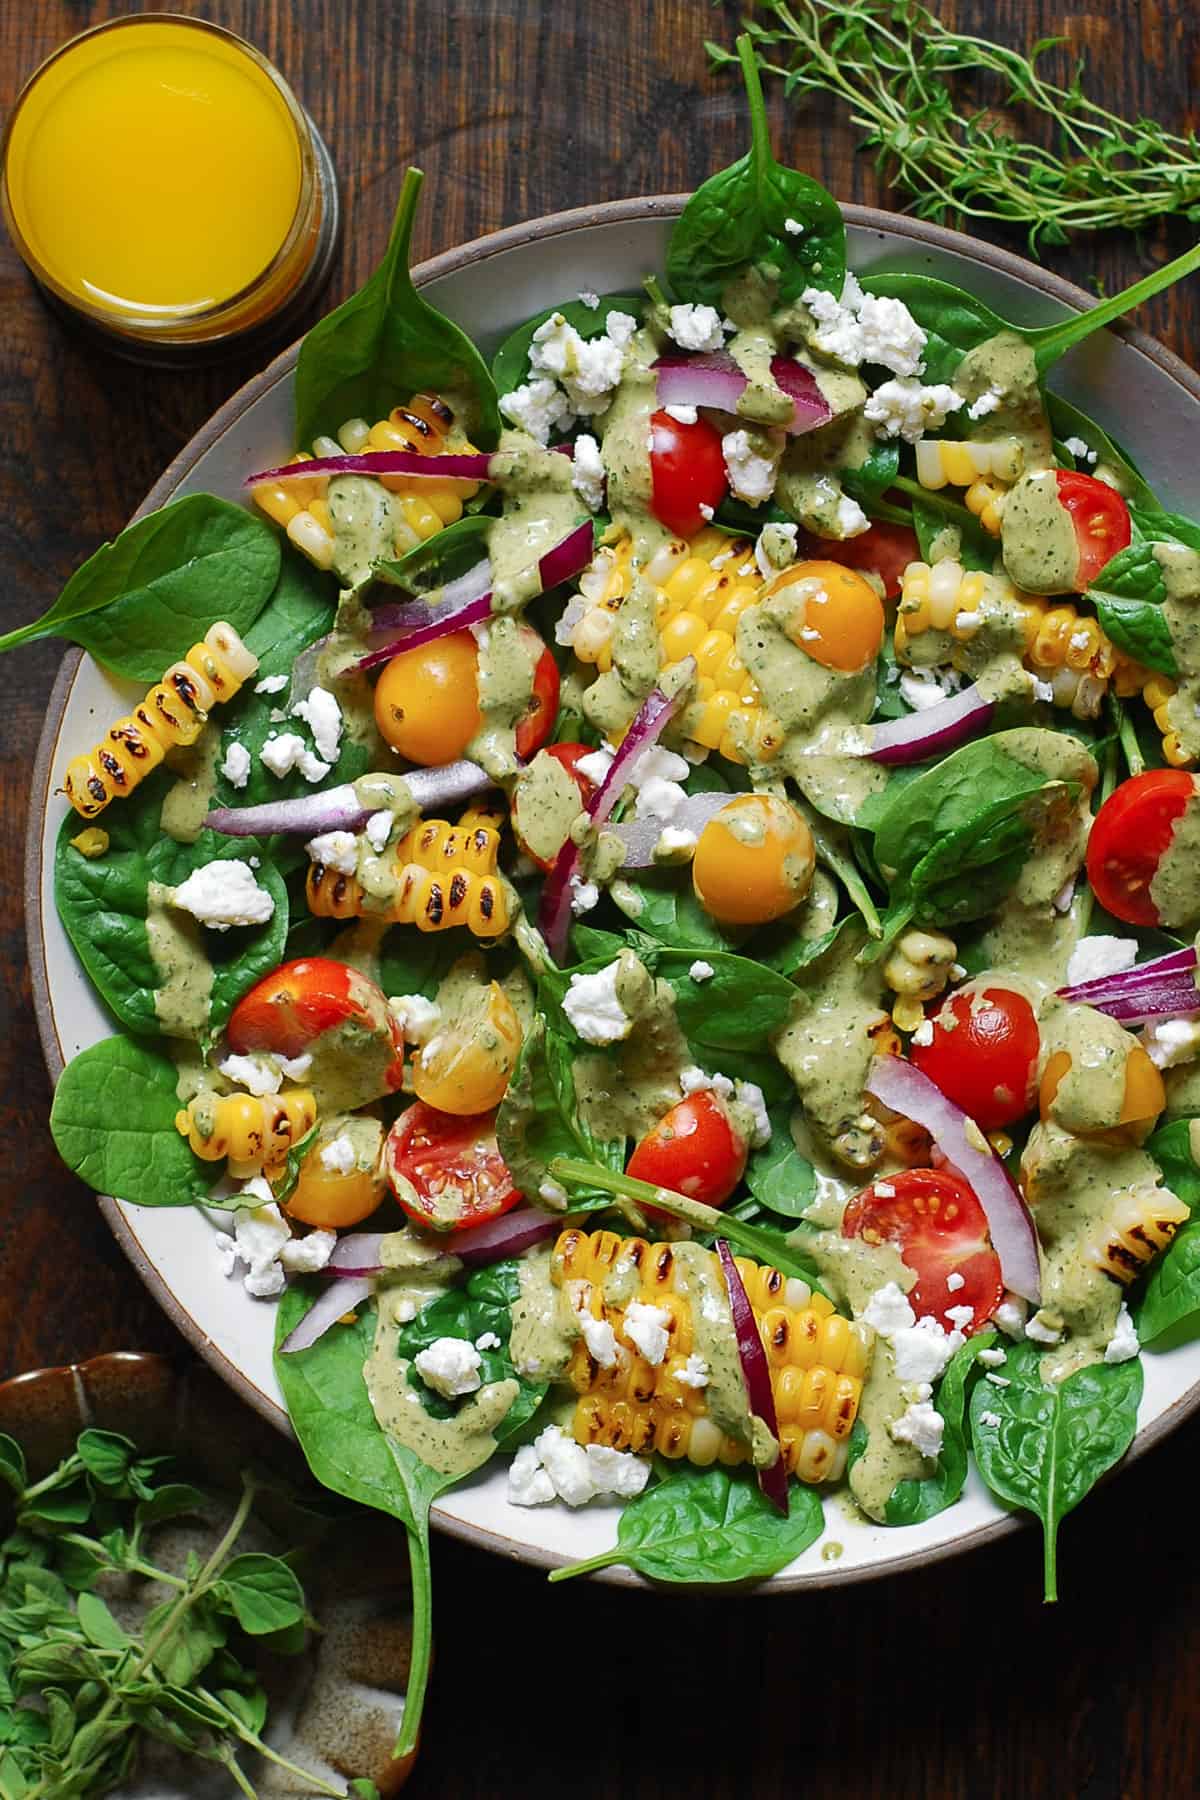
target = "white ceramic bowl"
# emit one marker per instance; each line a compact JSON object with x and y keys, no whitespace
{"x":1130,"y":384}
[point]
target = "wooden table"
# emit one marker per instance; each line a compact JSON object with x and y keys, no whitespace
{"x":951,"y":1683}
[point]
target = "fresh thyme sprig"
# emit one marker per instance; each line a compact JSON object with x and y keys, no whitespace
{"x":889,"y":60}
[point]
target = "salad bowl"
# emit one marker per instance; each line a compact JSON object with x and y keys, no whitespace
{"x":1132,"y":386}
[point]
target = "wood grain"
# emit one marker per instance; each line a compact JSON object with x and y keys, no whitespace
{"x":954,"y":1683}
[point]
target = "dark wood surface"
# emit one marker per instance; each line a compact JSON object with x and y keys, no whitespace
{"x":952,"y":1682}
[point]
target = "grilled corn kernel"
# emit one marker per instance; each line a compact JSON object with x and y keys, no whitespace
{"x":253,"y":1131}
{"x":1137,"y":1228}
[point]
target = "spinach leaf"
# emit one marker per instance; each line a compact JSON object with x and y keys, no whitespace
{"x":931,"y":516}
{"x":412,"y":963}
{"x":1066,"y":420}
{"x":385,"y":344}
{"x":539,"y":1116}
{"x":1159,"y":527}
{"x":912,"y":1501}
{"x":1053,"y":1442}
{"x":736,"y":1008}
{"x":141,"y":602}
{"x":662,"y":909}
{"x":483,"y":1305}
{"x":777,"y":1175}
{"x":872,"y":478}
{"x":1171,"y":1292}
{"x":1171,"y":1148}
{"x":739,"y":220}
{"x":449,"y":553}
{"x":104,"y":903}
{"x":113,"y":1123}
{"x":953,"y":320}
{"x":1128,"y":595}
{"x":706,"y":1525}
{"x":510,"y":365}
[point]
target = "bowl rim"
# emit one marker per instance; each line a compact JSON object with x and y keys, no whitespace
{"x":226,"y":418}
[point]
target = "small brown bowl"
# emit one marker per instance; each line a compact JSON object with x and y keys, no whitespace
{"x":344,"y":1721}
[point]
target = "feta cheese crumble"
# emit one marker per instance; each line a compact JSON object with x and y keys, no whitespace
{"x":864,"y":328}
{"x":537,"y":407}
{"x":334,"y":850}
{"x":1123,"y":1345}
{"x":646,"y":1327}
{"x":903,"y":408}
{"x":751,"y":472}
{"x":587,"y":472}
{"x":888,"y":1310}
{"x":223,"y":894}
{"x":417,"y":1017}
{"x":338,"y":1157}
{"x":599,"y":1338}
{"x":696,"y":327}
{"x":262,"y":1242}
{"x":694,"y":1373}
{"x":264,"y":1073}
{"x":236,"y":766}
{"x":1169,"y":1042}
{"x":701,"y":970}
{"x":922,"y":1351}
{"x":554,"y":1466}
{"x":287,"y":751}
{"x":323,"y":716}
{"x":271,"y":684}
{"x":450,"y":1366}
{"x":592,"y":1006}
{"x":487,"y":1340}
{"x":685,"y":415}
{"x":1079,"y":450}
{"x":750,"y":1095}
{"x":588,"y":368}
{"x":379,"y":830}
{"x":922,"y":1426}
{"x":1093,"y":957}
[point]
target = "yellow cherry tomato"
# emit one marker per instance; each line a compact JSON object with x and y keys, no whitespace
{"x":754,"y":861}
{"x":330,"y":1196}
{"x":466,"y":1065}
{"x":427,"y":700}
{"x":840,"y":624}
{"x":1143,"y":1099}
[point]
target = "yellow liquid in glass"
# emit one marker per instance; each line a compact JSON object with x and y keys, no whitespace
{"x":154,"y":168}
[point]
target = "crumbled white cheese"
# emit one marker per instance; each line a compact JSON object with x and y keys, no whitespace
{"x":306,"y":1255}
{"x":992,"y":1359}
{"x":1000,"y":1381}
{"x":619,"y":327}
{"x":923,"y":688}
{"x":1123,"y":1345}
{"x":224,"y":893}
{"x":921,"y":1351}
{"x":648,"y":1330}
{"x":584,"y":895}
{"x":775,"y":548}
{"x":696,"y":327}
{"x":1169,"y":1042}
{"x":599,"y":1338}
{"x":417,"y":1017}
{"x":595,"y":766}
{"x":658,"y":799}
{"x":1010,"y":1315}
{"x":864,"y":328}
{"x":487,"y":1340}
{"x":751,"y":473}
{"x":379,"y":830}
{"x":528,"y":1482}
{"x":694,"y":1373}
{"x":990,"y":1418}
{"x":684,"y":415}
{"x":888,"y":1310}
{"x":960,"y":1316}
{"x":287,"y":751}
{"x":922,"y":1426}
{"x":257,"y":1074}
{"x":954,"y":1281}
{"x":450,"y":1366}
{"x":989,"y":401}
{"x":259,"y":1234}
{"x":675,"y":843}
{"x":924,"y":1033}
{"x":1040,"y":1332}
{"x":338,"y":1157}
{"x":587,"y":472}
{"x":588,"y":368}
{"x":1042,"y":690}
{"x":592,"y":1006}
{"x":693,"y":1080}
{"x":701,"y":970}
{"x":904,"y":408}
{"x":271,"y":684}
{"x":849,"y":519}
{"x":236,"y":766}
{"x":1079,"y":450}
{"x":555,"y":1466}
{"x":587,"y":298}
{"x":793,"y":227}
{"x":1094,"y":957}
{"x":538,"y":407}
{"x":334,"y":850}
{"x":750,"y":1095}
{"x":323,"y":716}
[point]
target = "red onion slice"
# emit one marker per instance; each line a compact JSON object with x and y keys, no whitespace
{"x":651,"y":720}
{"x":331,"y":1304}
{"x":438,"y":623}
{"x":640,"y":836}
{"x":1137,"y":1005}
{"x":1159,"y":972}
{"x":511,"y":1233}
{"x":755,"y":1374}
{"x":340,"y":809}
{"x":474,"y":584}
{"x":907,"y":1091}
{"x":931,"y":732}
{"x":356,"y":1254}
{"x":380,"y":462}
{"x":714,"y":379}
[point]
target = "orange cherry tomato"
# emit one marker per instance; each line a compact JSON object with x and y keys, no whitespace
{"x":754,"y":861}
{"x":984,"y":1054}
{"x":332,"y":1199}
{"x":842,"y":623}
{"x":1129,"y":836}
{"x":687,"y":472}
{"x":427,"y":699}
{"x":1101,"y":521}
{"x":936,"y":1224}
{"x":1142,"y":1098}
{"x":694,"y":1150}
{"x":446,"y":1171}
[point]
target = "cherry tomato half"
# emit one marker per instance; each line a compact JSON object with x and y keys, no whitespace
{"x":1100,"y":518}
{"x":934,"y":1221}
{"x":693,"y":1150}
{"x":533,"y":831}
{"x":687,"y":471}
{"x":427,"y":699}
{"x":840,"y":622}
{"x":885,"y":550}
{"x":1129,"y":835}
{"x":445,"y":1170}
{"x":299,"y":1001}
{"x":984,"y":1054}
{"x":538,"y":723}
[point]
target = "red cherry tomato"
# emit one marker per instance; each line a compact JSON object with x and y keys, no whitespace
{"x":934,"y":1221}
{"x":445,"y":1169}
{"x":1129,"y":834}
{"x":687,"y":471}
{"x":885,"y":550}
{"x":568,"y":755}
{"x":538,"y":723}
{"x":693,"y":1150}
{"x":1100,"y":518}
{"x":288,"y":1009}
{"x":984,"y":1054}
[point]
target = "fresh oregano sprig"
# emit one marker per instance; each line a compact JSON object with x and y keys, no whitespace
{"x":890,"y":61}
{"x":78,"y":1692}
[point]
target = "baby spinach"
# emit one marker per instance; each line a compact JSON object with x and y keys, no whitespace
{"x":449,"y":553}
{"x":871,"y":479}
{"x":1159,"y":527}
{"x":1128,"y":595}
{"x":113,"y":1123}
{"x":1054,"y":1441}
{"x":739,"y":220}
{"x":510,"y":365}
{"x":104,"y":904}
{"x":710,"y":1526}
{"x":483,"y":1305}
{"x":539,"y":1116}
{"x":911,"y":1502}
{"x":661,"y":908}
{"x":734,"y":1009}
{"x":933,"y":514}
{"x":777,"y":1175}
{"x":1171,"y":1293}
{"x":140,"y":602}
{"x":385,"y":344}
{"x":1068,"y":421}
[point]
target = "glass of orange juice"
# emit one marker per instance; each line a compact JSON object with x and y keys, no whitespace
{"x":163,"y":184}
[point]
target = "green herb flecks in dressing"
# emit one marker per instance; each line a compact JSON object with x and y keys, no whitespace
{"x":540,"y":509}
{"x":698,"y":1274}
{"x":1003,"y":367}
{"x":543,"y":1328}
{"x":546,"y":803}
{"x":336,"y":670}
{"x":827,"y":1050}
{"x":365,"y":524}
{"x":1041,"y":550}
{"x":614,"y":697}
{"x":883,"y":1462}
{"x":189,"y":799}
{"x":625,"y":446}
{"x":417,"y":1269}
{"x":508,"y":657}
{"x":183,"y":994}
{"x":1181,"y":610}
{"x":626,"y":1090}
{"x":453,"y":1446}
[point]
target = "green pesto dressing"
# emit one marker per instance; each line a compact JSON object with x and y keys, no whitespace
{"x":540,"y":509}
{"x":827,"y":1050}
{"x":189,"y":800}
{"x":546,"y":803}
{"x":1041,"y":551}
{"x":183,"y":973}
{"x":543,"y":1327}
{"x":1181,"y":610}
{"x":614,"y":697}
{"x":625,"y":1090}
{"x":699,"y":1275}
{"x":349,"y":1067}
{"x":883,"y":1462}
{"x":507,"y":659}
{"x":366,"y":524}
{"x":1005,"y":367}
{"x":625,"y":446}
{"x":453,"y":1446}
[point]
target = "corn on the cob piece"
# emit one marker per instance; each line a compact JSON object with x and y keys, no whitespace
{"x":1138,"y":1227}
{"x":254,"y":1131}
{"x":817,"y":1361}
{"x":702,"y":588}
{"x":445,"y":875}
{"x":948,"y":462}
{"x":174,"y":712}
{"x":423,"y":425}
{"x":985,"y":498}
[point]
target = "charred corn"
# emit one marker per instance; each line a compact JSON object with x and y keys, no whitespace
{"x":423,"y":425}
{"x":443,"y":875}
{"x":254,"y":1131}
{"x":173,"y":713}
{"x":1139,"y":1226}
{"x":947,"y":462}
{"x":817,"y":1359}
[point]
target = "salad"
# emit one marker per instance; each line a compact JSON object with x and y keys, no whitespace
{"x":656,"y":908}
